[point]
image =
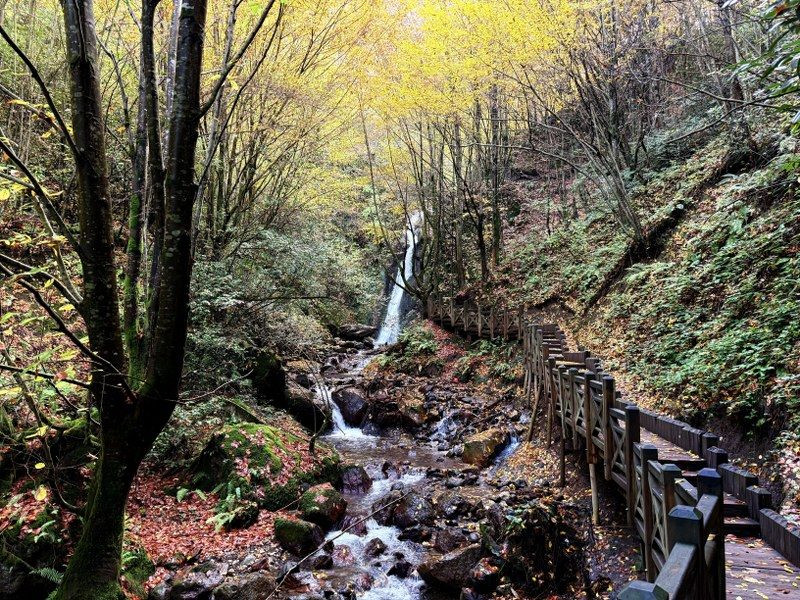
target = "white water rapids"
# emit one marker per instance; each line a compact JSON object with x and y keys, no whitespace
{"x":392,"y":322}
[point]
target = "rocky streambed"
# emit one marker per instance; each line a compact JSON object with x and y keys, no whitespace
{"x":418,"y":490}
{"x":428,"y":512}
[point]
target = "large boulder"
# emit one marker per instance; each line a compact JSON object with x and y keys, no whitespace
{"x":267,"y":464}
{"x":452,"y":570}
{"x":353,"y":404}
{"x":304,"y":405}
{"x":268,"y":376}
{"x":482,"y":446}
{"x":297,"y":536}
{"x":291,"y":394}
{"x":402,"y":408}
{"x":323,"y":505}
{"x":356,"y":331}
{"x":404,"y":510}
{"x":354,"y":480}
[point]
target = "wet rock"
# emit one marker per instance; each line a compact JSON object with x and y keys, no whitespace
{"x":470,"y":594}
{"x":251,"y":586}
{"x":320,"y":562}
{"x":413,"y":509}
{"x":383,"y":509}
{"x":452,"y":570}
{"x":356,"y":331}
{"x":297,"y":536}
{"x":354,"y":480}
{"x":374,"y":548}
{"x":343,"y":556}
{"x":452,"y":503}
{"x":199,"y":582}
{"x":482,"y":446}
{"x":417,"y":533}
{"x":405,"y":408}
{"x":353,"y":404}
{"x":400,"y":569}
{"x":354,"y":524}
{"x":287,"y":568}
{"x":390,"y":470}
{"x":456,"y":451}
{"x":304,"y":405}
{"x":323,"y":505}
{"x":447,"y":540}
{"x":363,"y":581}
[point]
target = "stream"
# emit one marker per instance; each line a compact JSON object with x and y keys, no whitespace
{"x":394,"y":460}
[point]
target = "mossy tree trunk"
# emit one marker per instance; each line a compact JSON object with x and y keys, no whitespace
{"x":134,"y":404}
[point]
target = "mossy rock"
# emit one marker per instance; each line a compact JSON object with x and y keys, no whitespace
{"x":323,"y":505}
{"x":266,"y":464}
{"x":297,"y":536}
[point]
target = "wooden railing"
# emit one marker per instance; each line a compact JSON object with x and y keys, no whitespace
{"x":680,"y":526}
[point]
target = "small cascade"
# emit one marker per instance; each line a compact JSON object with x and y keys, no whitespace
{"x":392,"y":322}
{"x":340,"y":427}
{"x":507,"y":451}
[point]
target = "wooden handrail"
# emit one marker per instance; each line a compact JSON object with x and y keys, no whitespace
{"x":681,"y":526}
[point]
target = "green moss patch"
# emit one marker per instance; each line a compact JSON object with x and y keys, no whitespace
{"x":262,"y":463}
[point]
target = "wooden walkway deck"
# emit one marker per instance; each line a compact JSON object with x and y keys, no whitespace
{"x":655,"y":474}
{"x":755,"y":570}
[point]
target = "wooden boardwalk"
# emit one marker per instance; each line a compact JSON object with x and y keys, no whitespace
{"x":755,"y":570}
{"x":703,"y":522}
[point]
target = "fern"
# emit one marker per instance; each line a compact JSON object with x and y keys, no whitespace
{"x":49,"y":574}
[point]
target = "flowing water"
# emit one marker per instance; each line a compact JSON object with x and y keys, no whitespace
{"x":392,"y":322}
{"x":393,"y":460}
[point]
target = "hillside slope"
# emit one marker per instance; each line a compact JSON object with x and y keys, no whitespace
{"x":702,"y":322}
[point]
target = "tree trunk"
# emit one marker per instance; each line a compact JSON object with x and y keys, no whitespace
{"x":494,"y":114}
{"x":94,"y":569}
{"x":129,"y":423}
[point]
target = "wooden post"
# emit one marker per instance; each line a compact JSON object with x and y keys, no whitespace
{"x":708,"y":440}
{"x":709,"y":482}
{"x":551,"y":400}
{"x":591,"y":450}
{"x":716,"y":457}
{"x":631,"y":438}
{"x":640,"y":590}
{"x":478,"y":313}
{"x":641,"y":488}
{"x":757,"y":498}
{"x":573,"y":402}
{"x":670,"y":473}
{"x":685,"y":525}
{"x":562,"y":453}
{"x":608,"y":433}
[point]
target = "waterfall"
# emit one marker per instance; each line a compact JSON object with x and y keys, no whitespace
{"x":390,"y":328}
